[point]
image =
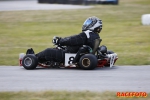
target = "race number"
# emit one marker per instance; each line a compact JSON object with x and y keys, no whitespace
{"x":69,"y":57}
{"x":70,"y":60}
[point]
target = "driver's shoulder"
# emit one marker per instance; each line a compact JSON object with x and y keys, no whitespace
{"x":89,"y":34}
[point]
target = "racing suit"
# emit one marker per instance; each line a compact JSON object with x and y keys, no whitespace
{"x":72,"y":43}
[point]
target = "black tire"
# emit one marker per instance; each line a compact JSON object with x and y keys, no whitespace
{"x":88,"y":62}
{"x":30,"y":62}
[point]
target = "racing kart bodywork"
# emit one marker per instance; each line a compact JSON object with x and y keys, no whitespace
{"x":86,"y":58}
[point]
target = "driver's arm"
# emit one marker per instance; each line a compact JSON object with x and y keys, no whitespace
{"x":75,"y":40}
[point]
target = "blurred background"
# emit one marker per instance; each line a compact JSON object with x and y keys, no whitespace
{"x":85,"y":2}
{"x":33,"y":23}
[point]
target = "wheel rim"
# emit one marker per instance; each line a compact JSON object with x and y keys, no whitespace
{"x":27,"y":61}
{"x":86,"y":62}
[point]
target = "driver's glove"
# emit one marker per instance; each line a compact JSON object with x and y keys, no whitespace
{"x":56,"y":40}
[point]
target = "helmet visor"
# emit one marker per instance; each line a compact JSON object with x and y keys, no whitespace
{"x":87,"y":22}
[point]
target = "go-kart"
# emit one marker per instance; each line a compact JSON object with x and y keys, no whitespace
{"x":86,"y":58}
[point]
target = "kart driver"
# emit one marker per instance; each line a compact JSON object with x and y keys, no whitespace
{"x":90,"y":31}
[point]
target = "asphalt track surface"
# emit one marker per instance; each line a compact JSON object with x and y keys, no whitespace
{"x":34,"y":5}
{"x":117,"y":78}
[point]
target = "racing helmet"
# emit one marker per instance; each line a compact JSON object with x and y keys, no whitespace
{"x":93,"y":24}
{"x":103,"y":49}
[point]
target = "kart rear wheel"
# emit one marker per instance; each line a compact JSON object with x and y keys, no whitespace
{"x":30,"y":62}
{"x":88,"y":62}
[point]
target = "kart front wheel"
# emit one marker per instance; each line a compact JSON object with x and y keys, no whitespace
{"x":88,"y":62}
{"x":30,"y":61}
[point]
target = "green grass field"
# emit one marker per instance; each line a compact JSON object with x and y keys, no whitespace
{"x":122,"y":30}
{"x":66,"y":95}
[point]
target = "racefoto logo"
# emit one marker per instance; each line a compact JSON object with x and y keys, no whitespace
{"x":131,"y":94}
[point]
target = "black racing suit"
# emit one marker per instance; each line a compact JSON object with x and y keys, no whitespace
{"x":73,"y":43}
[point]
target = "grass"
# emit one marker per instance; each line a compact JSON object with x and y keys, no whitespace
{"x":65,"y":95}
{"x":122,"y":30}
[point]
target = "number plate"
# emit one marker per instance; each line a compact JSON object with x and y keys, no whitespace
{"x":69,"y":57}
